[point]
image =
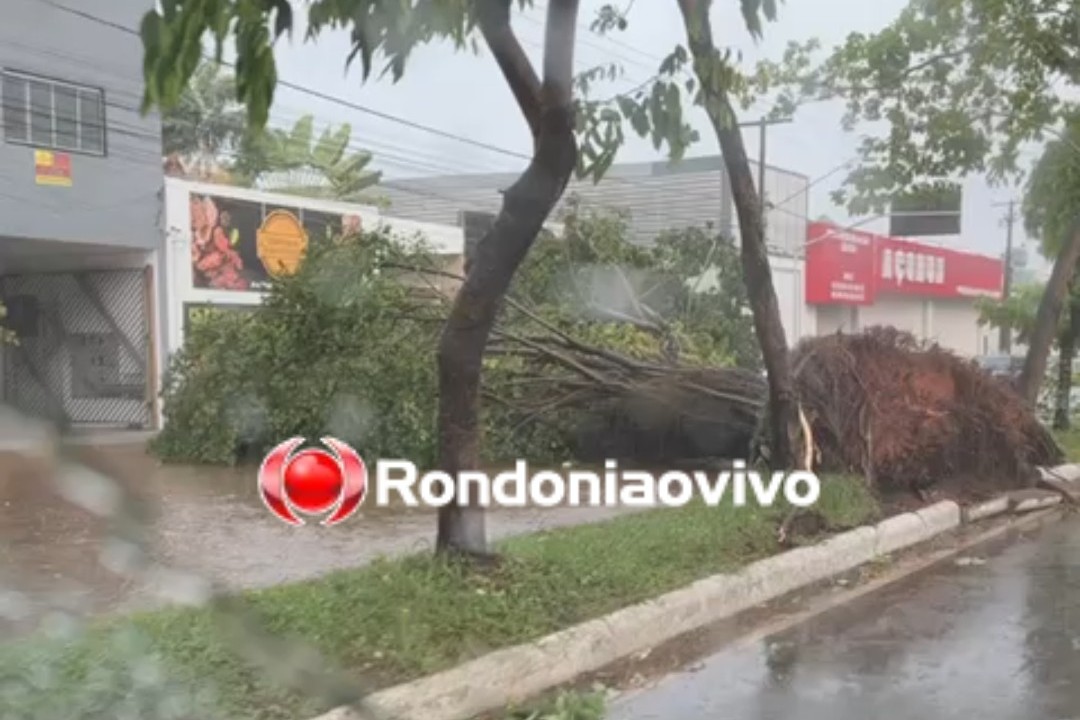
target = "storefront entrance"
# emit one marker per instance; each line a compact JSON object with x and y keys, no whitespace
{"x":83,"y":357}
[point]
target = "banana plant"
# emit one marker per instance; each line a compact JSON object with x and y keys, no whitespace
{"x":293,"y":161}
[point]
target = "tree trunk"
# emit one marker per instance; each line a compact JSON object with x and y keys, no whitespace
{"x":526,"y":205}
{"x":1066,"y":355}
{"x":769,"y":328}
{"x":1066,"y":352}
{"x":1048,"y":317}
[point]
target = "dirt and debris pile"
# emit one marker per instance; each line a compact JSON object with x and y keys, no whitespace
{"x":908,"y":416}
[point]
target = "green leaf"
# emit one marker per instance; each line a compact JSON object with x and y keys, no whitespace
{"x":150,"y":30}
{"x":331,"y":147}
{"x":283,"y":19}
{"x":640,"y":120}
{"x":298,"y":145}
{"x":627,"y":106}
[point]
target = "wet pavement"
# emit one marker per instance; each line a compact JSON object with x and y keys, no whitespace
{"x":994,"y":637}
{"x":205,"y":520}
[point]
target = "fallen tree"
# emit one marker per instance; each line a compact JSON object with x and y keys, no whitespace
{"x":904,"y":415}
{"x":908,"y":415}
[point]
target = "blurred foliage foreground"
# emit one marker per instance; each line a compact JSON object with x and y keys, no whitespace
{"x":346,"y":347}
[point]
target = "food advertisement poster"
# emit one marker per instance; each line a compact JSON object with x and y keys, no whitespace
{"x":243,"y":244}
{"x":52,"y":168}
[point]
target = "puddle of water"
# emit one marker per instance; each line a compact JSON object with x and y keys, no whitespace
{"x":209,"y":520}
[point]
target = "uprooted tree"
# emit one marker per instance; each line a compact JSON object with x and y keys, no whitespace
{"x":959,"y":86}
{"x":173,"y":41}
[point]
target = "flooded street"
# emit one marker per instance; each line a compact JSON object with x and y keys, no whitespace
{"x":995,"y":635}
{"x":207,"y":520}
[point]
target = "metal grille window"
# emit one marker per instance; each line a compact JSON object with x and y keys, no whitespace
{"x":53,"y":114}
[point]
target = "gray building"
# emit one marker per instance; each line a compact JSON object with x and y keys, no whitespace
{"x":657,"y":196}
{"x":81,"y":242}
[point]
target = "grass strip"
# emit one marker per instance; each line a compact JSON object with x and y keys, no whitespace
{"x":1069,"y":440}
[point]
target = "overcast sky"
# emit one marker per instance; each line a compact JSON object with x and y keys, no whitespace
{"x":464,"y":94}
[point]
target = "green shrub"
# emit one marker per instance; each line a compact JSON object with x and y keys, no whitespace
{"x":205,"y":390}
{"x":339,"y":348}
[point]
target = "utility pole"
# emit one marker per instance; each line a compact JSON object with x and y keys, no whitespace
{"x":763,"y":125}
{"x":1005,"y":339}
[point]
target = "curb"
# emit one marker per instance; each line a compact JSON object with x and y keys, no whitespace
{"x":515,"y":674}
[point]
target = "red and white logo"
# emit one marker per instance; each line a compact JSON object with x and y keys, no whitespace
{"x":312,"y":481}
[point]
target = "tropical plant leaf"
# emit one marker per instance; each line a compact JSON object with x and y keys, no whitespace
{"x":297,"y":145}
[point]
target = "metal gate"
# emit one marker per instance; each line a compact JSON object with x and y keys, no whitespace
{"x":83,"y":355}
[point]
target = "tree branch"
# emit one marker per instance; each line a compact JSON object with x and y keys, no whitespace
{"x":494,"y":21}
{"x":559,"y":39}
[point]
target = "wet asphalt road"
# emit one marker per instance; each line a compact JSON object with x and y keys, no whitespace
{"x":993,"y":641}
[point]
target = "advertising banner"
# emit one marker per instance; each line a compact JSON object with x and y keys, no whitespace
{"x":239,"y":244}
{"x":839,"y":265}
{"x":851,"y":267}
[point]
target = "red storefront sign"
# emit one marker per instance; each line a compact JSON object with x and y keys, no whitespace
{"x":839,"y":266}
{"x":852,"y":267}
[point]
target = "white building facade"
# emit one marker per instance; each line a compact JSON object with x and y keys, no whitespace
{"x":857,"y":279}
{"x":226,"y":243}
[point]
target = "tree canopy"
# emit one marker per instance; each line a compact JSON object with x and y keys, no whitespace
{"x":383,"y":36}
{"x":206,"y":123}
{"x":208,"y":130}
{"x":1052,"y":197}
{"x":1016,"y":312}
{"x":960,"y":86}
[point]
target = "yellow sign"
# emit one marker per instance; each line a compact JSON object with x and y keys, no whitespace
{"x":281,"y":243}
{"x":52,"y":168}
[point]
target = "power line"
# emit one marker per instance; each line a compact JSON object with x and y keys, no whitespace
{"x":587,"y":43}
{"x":815,"y":181}
{"x":613,"y":40}
{"x":133,"y":107}
{"x":371,"y":111}
{"x":316,"y":93}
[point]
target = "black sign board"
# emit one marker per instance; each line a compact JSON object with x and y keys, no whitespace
{"x":225,"y":239}
{"x":927,"y":210}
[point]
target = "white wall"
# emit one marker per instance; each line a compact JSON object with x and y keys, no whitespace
{"x":832,"y":319}
{"x":952,"y":323}
{"x":786,"y":219}
{"x":788,"y":277}
{"x":799,"y":319}
{"x":955,"y":325}
{"x":903,"y":313}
